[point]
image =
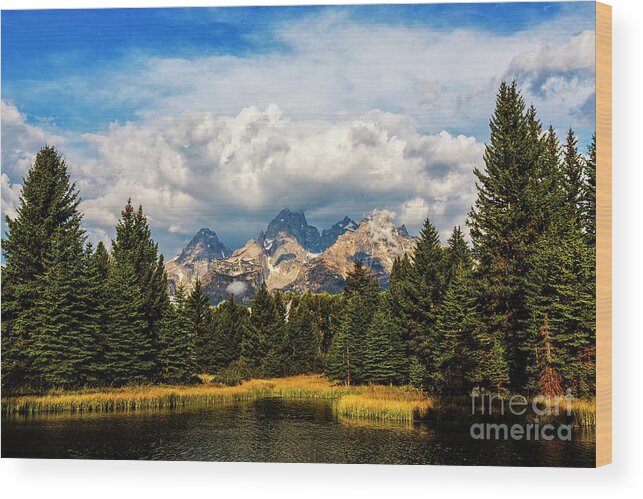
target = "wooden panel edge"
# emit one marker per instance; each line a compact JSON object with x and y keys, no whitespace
{"x":603,"y":234}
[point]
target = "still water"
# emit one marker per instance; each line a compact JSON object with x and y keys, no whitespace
{"x":272,"y":430}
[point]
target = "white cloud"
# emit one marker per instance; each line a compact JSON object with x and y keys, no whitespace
{"x":349,"y":119}
{"x":233,"y":172}
{"x":21,"y":140}
{"x":413,"y":212}
{"x":558,"y":68}
{"x":10,"y":196}
{"x":335,"y":69}
{"x":236,"y":288}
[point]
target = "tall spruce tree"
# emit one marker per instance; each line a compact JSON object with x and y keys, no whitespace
{"x":302,"y":338}
{"x":177,"y":337}
{"x":223,"y":345}
{"x":47,"y":213}
{"x":128,"y":343}
{"x":588,"y":194}
{"x":503,"y":225}
{"x":424,"y":292}
{"x":572,"y":169}
{"x":97,"y":274}
{"x":63,"y":326}
{"x":347,"y":352}
{"x":263,"y":339}
{"x":135,"y":249}
{"x":561,"y":295}
{"x":197,"y":308}
{"x":457,"y":321}
{"x":384,"y":355}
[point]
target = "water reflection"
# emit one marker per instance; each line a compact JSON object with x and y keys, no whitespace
{"x":272,"y":430}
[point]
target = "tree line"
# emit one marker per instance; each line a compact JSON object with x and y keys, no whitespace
{"x":513,"y":310}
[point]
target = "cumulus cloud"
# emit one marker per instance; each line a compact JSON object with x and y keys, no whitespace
{"x":21,"y":140}
{"x":336,"y":68}
{"x":350,"y":118}
{"x":234,"y":172}
{"x":557,"y":67}
{"x":10,"y":196}
{"x":236,"y":288}
{"x":414,"y":211}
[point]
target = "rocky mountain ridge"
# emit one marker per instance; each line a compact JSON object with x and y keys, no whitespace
{"x":291,"y":255}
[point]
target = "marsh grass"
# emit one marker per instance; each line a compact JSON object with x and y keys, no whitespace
{"x":155,"y":397}
{"x":371,"y":402}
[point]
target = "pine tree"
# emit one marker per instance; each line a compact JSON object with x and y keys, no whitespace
{"x":588,"y":194}
{"x":572,"y":169}
{"x":177,"y":340}
{"x":229,"y":322}
{"x":503,"y":225}
{"x":197,"y":308}
{"x":347,"y":352}
{"x":457,"y":255}
{"x":561,"y":291}
{"x":549,"y":378}
{"x":48,"y":211}
{"x":128,"y":343}
{"x":302,"y":338}
{"x":548,"y":197}
{"x":457,"y":326}
{"x":263,"y":341}
{"x":97,"y":274}
{"x":134,"y":248}
{"x":62,"y":324}
{"x":496,"y":368}
{"x":384,"y":356}
{"x":424,"y":289}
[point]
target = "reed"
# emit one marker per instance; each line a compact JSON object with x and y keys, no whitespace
{"x":384,"y":402}
{"x":374,"y":402}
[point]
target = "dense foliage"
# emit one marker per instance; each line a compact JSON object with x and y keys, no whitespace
{"x":513,"y":311}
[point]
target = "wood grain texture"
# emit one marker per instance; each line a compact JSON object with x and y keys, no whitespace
{"x":603,"y":234}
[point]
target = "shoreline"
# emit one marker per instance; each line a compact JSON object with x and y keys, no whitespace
{"x":366,"y":402}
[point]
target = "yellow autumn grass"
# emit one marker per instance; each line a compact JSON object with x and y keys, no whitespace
{"x":156,"y":397}
{"x":374,"y":402}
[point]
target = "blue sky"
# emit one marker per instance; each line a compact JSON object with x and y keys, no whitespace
{"x":151,"y":103}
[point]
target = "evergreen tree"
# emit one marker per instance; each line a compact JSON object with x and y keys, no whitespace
{"x":457,"y":255}
{"x":547,"y":190}
{"x":384,"y":356}
{"x":496,"y":368}
{"x":561,"y":292}
{"x":503,"y":225}
{"x":135,"y":249}
{"x":548,"y":376}
{"x":229,"y":322}
{"x":302,"y":338}
{"x":177,"y":340}
{"x":347,"y":352}
{"x":62,"y":324}
{"x":97,"y":274}
{"x":424,"y":291}
{"x":457,"y":325}
{"x":588,"y":194}
{"x":197,"y":308}
{"x":128,"y":344}
{"x":572,"y":169}
{"x":263,"y":340}
{"x":47,"y":212}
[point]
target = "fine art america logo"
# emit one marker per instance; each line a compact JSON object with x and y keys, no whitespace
{"x":535,"y":419}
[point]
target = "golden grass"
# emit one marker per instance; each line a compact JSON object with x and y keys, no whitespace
{"x":155,"y":397}
{"x":374,"y":402}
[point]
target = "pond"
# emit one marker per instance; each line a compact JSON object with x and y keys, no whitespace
{"x":273,"y":430}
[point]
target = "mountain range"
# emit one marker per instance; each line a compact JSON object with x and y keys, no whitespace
{"x":290,"y":255}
